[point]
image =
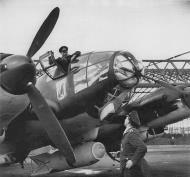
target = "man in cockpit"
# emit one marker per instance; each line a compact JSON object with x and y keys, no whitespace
{"x":66,"y":59}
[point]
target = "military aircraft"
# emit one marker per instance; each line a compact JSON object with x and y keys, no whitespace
{"x":81,"y":112}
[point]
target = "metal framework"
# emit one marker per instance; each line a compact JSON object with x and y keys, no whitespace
{"x":172,"y":71}
{"x":175,"y":72}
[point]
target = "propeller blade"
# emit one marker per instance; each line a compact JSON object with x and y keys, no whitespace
{"x":50,"y":123}
{"x":43,"y":32}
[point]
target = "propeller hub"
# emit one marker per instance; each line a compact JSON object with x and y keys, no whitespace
{"x":16,"y":72}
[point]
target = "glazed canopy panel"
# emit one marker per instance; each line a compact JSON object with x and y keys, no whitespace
{"x":90,"y":68}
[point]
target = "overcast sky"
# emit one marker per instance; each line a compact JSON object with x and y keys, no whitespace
{"x":147,"y":28}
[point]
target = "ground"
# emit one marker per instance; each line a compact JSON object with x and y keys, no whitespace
{"x":164,"y":161}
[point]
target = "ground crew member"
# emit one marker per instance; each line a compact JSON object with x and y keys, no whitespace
{"x":66,"y":59}
{"x":133,"y":149}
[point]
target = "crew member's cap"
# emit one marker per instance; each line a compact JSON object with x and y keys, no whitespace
{"x":63,"y":49}
{"x":134,"y":117}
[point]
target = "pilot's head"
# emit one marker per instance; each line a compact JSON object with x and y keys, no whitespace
{"x":132,"y":119}
{"x":63,"y":50}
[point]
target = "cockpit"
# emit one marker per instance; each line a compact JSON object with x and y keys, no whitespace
{"x":98,"y":66}
{"x":93,"y":67}
{"x":50,"y":66}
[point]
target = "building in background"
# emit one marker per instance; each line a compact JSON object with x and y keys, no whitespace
{"x":182,"y":127}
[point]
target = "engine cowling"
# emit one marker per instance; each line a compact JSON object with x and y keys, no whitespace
{"x":86,"y":154}
{"x":179,"y":113}
{"x":161,"y":113}
{"x":148,"y":134}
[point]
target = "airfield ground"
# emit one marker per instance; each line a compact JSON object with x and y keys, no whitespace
{"x":164,"y":161}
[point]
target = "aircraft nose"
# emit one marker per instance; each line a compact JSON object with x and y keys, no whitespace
{"x":16,"y":71}
{"x":127,"y":69}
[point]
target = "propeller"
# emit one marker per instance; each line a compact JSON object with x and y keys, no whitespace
{"x":17,"y":76}
{"x":50,"y":123}
{"x":44,"y":31}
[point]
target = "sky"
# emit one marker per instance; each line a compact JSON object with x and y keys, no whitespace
{"x":150,"y":29}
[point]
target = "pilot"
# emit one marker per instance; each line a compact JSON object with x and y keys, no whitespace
{"x":66,"y":59}
{"x":133,"y":149}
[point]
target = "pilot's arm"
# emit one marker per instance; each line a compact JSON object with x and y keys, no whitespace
{"x":76,"y":54}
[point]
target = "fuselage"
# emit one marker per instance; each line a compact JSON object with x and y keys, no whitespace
{"x":88,"y":82}
{"x":11,"y":106}
{"x":82,"y":89}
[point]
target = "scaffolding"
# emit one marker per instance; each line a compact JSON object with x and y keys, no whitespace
{"x":175,"y":72}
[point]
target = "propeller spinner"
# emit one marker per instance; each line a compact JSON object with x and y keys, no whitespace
{"x":16,"y":72}
{"x":18,"y":76}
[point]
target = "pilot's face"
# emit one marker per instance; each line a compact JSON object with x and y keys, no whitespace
{"x":64,"y":53}
{"x":126,"y":122}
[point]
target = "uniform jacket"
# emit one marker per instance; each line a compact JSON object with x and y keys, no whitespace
{"x":132,"y":147}
{"x":65,"y":61}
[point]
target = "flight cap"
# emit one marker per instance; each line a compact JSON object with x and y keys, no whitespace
{"x":134,"y":117}
{"x":63,"y":49}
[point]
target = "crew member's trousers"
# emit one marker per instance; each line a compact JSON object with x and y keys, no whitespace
{"x":139,"y":170}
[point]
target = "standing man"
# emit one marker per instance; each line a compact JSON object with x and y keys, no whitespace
{"x":66,"y":59}
{"x":133,"y":149}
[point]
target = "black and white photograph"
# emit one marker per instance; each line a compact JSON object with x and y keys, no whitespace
{"x":94,"y":88}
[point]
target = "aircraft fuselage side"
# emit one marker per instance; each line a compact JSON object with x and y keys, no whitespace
{"x":11,"y":106}
{"x":89,"y":79}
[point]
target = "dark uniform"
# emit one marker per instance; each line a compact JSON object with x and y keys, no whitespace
{"x":66,"y":60}
{"x":133,"y":148}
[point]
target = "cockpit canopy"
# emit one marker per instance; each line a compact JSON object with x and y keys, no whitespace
{"x":90,"y":68}
{"x":98,"y":66}
{"x":50,"y":66}
{"x":94,"y":67}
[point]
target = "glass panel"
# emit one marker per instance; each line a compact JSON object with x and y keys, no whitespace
{"x":124,"y":70}
{"x":98,"y":67}
{"x":79,"y":72}
{"x":122,"y":64}
{"x":79,"y":78}
{"x":49,"y":66}
{"x":81,"y":62}
{"x":99,"y":57}
{"x":47,"y":59}
{"x":46,"y":62}
{"x":97,"y":72}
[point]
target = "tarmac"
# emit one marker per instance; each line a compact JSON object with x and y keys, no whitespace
{"x":164,"y":161}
